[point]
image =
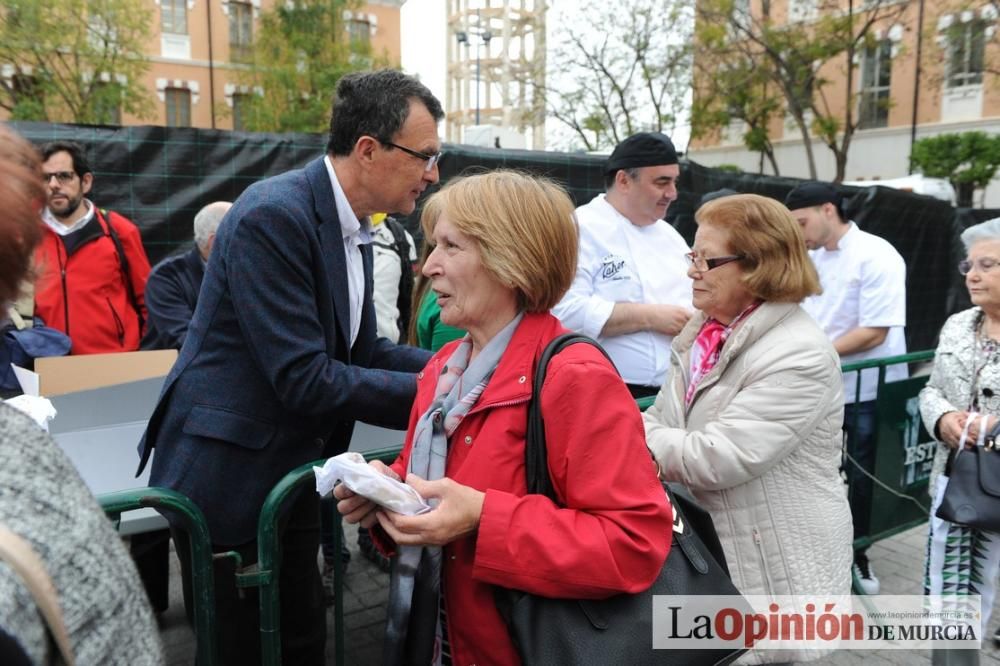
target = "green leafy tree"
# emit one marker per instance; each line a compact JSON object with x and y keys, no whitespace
{"x":74,"y":60}
{"x":632,"y":76}
{"x":797,"y":56}
{"x":301,"y":50}
{"x":740,"y":91}
{"x":968,"y":160}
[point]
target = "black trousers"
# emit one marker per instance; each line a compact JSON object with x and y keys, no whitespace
{"x":237,"y":610}
{"x":640,"y":391}
{"x":151,"y":554}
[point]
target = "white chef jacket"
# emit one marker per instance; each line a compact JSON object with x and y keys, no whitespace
{"x":864,"y":284}
{"x":621,"y":262}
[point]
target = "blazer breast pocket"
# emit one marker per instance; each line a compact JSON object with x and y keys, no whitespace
{"x":219,"y":423}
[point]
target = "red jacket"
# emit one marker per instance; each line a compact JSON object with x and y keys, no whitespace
{"x":82,"y":292}
{"x":615,"y":533}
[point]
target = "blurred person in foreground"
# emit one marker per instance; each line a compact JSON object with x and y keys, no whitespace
{"x":44,"y":500}
{"x":504,"y":253}
{"x":750,"y":417}
{"x":965,"y":384}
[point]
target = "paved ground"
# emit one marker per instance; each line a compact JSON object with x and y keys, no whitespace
{"x":898,"y":563}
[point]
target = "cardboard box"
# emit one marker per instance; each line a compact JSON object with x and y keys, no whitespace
{"x":65,"y":374}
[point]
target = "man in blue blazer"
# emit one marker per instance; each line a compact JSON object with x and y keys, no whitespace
{"x":282,"y":357}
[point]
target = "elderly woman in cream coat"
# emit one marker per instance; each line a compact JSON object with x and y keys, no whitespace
{"x":750,"y":417}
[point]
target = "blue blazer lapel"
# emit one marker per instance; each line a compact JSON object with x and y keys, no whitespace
{"x":331,"y":239}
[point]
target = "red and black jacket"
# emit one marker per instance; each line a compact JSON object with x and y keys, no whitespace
{"x":81,"y":287}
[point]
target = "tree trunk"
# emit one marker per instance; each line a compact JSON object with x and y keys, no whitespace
{"x":964,"y":192}
{"x":774,"y":162}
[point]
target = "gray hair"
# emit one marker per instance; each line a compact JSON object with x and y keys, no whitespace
{"x":207,"y":221}
{"x":984,"y":231}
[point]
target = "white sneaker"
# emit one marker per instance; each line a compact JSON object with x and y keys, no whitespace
{"x":865,"y":576}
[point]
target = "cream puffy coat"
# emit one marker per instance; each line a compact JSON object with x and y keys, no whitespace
{"x":760,"y":449}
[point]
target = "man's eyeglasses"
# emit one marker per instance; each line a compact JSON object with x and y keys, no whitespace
{"x":64,"y":177}
{"x":703,"y":264}
{"x":982,"y":264}
{"x":430,"y":159}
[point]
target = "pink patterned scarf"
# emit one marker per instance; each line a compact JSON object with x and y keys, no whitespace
{"x":708,"y":347}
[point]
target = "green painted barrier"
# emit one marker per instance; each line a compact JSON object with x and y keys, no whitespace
{"x":193,"y":521}
{"x":904,"y":452}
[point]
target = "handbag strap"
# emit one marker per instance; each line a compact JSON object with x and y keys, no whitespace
{"x":22,"y":558}
{"x":981,"y":439}
{"x":536,"y":467}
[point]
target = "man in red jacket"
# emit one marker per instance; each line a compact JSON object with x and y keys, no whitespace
{"x":91,"y":266}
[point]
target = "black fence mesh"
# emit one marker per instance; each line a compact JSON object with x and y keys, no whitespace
{"x":160,"y":177}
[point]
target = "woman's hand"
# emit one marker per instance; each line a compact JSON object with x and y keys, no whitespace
{"x":950,"y":427}
{"x":358,"y":509}
{"x":457,"y":514}
{"x":974,"y":427}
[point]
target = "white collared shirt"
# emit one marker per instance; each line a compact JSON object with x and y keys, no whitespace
{"x":620,"y":262}
{"x":864,"y":285}
{"x":66,"y":229}
{"x":355,"y":233}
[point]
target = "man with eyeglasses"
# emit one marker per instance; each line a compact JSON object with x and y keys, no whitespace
{"x":92,"y":266}
{"x":863,"y":311}
{"x":282,"y":356}
{"x":631,"y":291}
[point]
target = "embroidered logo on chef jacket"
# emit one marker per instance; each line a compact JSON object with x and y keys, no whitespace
{"x":613,"y":267}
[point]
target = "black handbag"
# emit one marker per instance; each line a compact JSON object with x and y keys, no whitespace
{"x":972,"y":496}
{"x":617,"y":630}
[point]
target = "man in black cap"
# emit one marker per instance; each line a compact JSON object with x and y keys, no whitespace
{"x":631,"y":291}
{"x":863,"y":311}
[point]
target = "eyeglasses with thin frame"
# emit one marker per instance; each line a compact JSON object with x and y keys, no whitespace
{"x":982,"y":264}
{"x":64,"y":177}
{"x":430,"y":159}
{"x":704,"y":264}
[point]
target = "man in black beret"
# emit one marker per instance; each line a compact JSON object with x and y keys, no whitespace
{"x":863,"y":311}
{"x":631,"y":291}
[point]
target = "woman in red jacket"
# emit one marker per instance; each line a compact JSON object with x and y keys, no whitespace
{"x":505,"y":252}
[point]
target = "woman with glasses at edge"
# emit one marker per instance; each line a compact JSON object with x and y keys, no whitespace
{"x":750,"y":416}
{"x":964,"y":386}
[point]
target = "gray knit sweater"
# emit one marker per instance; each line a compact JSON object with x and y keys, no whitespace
{"x":43,"y":499}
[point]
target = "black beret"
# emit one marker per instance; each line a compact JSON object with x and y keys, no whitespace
{"x":642,"y":150}
{"x":812,"y":194}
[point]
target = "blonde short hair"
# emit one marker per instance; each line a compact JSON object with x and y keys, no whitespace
{"x":524,"y":226}
{"x":776,"y":266}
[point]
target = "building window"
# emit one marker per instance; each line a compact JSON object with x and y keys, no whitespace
{"x":240,"y":31}
{"x":359,"y":32}
{"x":966,"y":42}
{"x":241,"y":110}
{"x":173,"y":15}
{"x":802,"y":10}
{"x":876,"y":73}
{"x":178,"y":101}
{"x":106,"y":105}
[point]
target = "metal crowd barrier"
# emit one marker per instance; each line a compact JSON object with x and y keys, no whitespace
{"x":269,"y":560}
{"x":904,"y":451}
{"x":191,"y":517}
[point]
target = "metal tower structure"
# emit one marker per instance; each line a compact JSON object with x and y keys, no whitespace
{"x":496,"y":72}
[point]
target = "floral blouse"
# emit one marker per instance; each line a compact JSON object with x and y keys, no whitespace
{"x":962,"y":368}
